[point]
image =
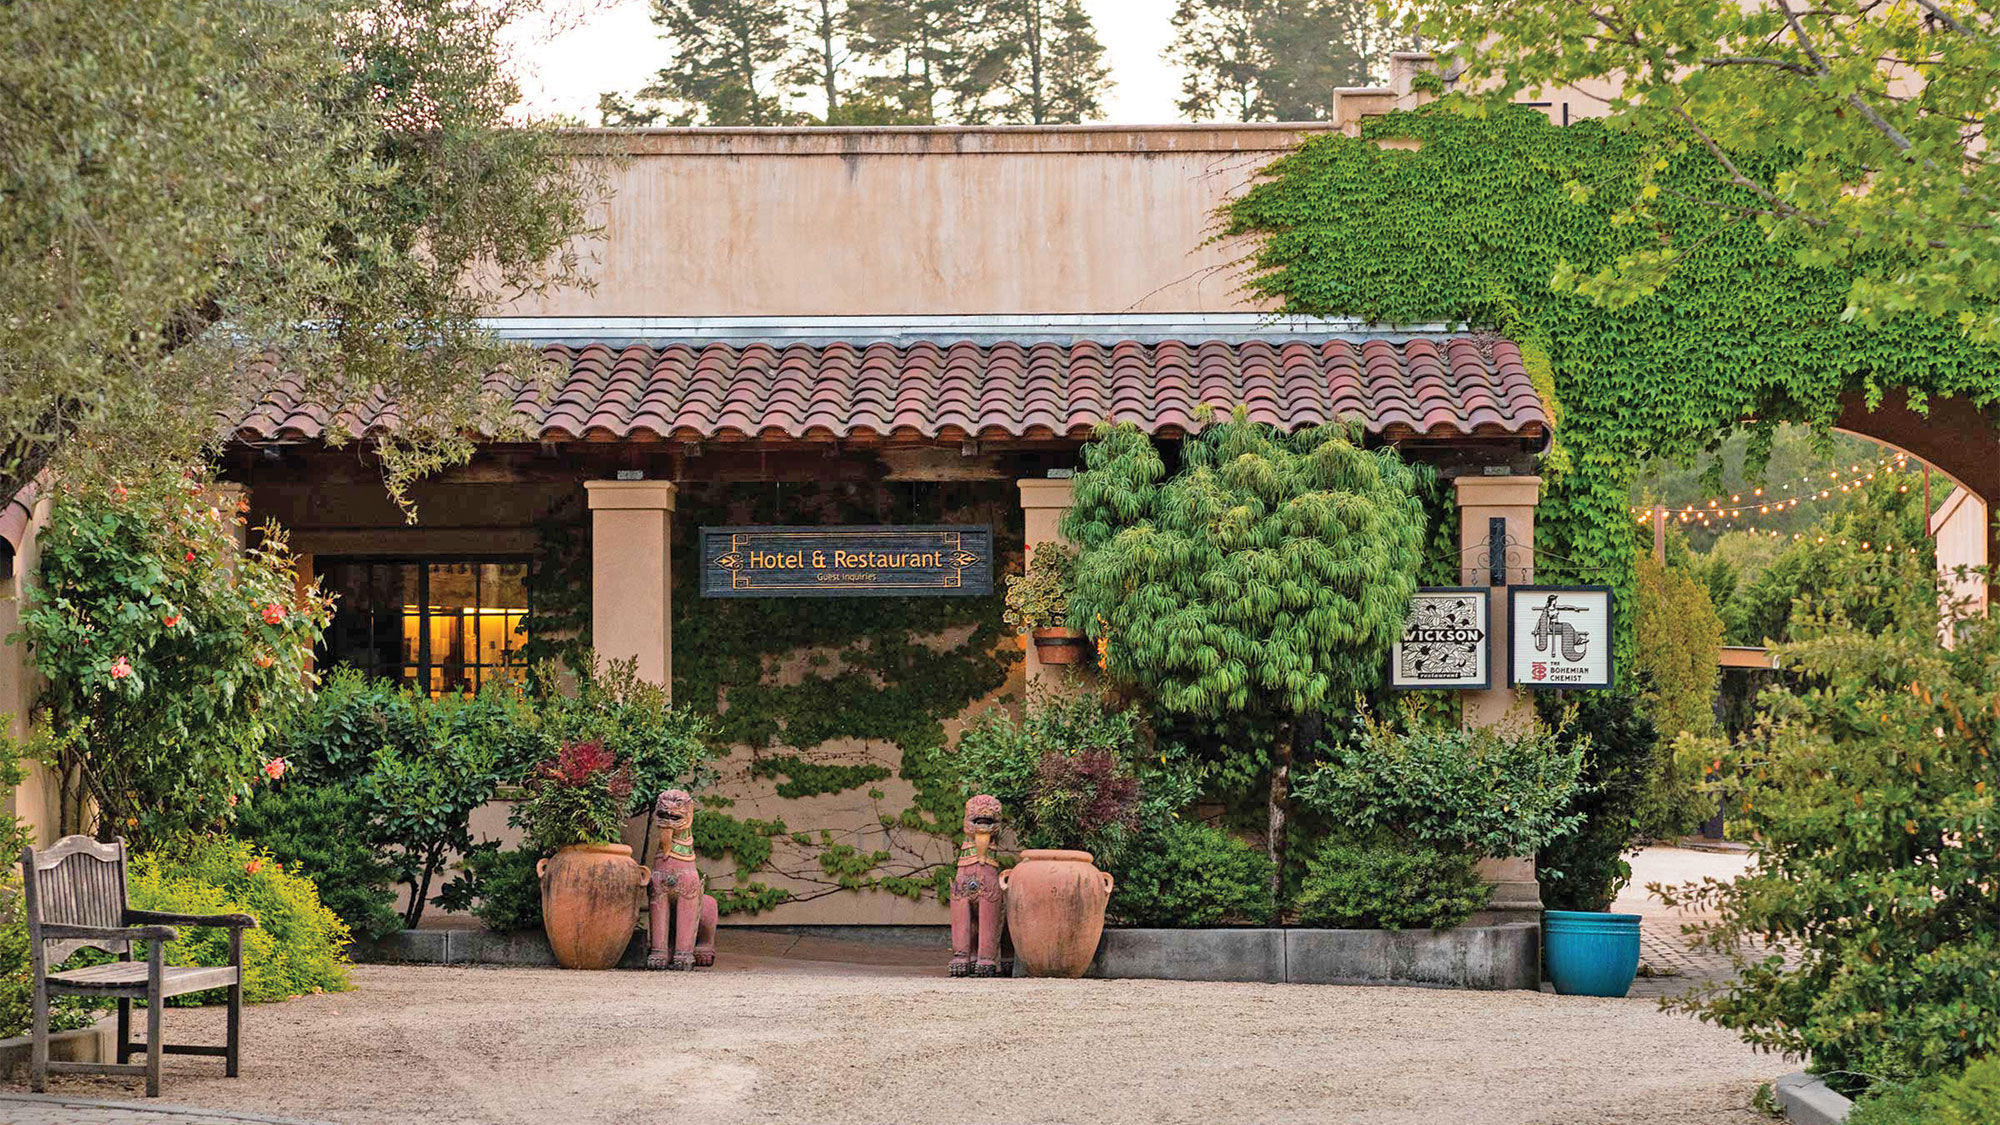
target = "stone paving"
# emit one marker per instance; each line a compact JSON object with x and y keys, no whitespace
{"x":1668,"y":964}
{"x":39,"y":1109}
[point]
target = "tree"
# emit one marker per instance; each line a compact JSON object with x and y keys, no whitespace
{"x":1039,"y":63}
{"x":1677,"y":635}
{"x":170,"y":656}
{"x":1267,"y":578}
{"x":821,"y":59}
{"x":726,"y":60}
{"x":921,"y":52}
{"x":1867,"y":933}
{"x":318,"y":177}
{"x":1274,"y":60}
{"x":1873,"y":562}
{"x":1855,"y":134}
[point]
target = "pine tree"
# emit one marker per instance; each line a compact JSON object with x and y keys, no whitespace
{"x":1039,"y":62}
{"x":726,"y":57}
{"x":1275,"y":60}
{"x":1266,"y":579}
{"x":920,"y":51}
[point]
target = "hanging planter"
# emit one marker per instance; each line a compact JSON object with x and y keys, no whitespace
{"x":1060,"y":645}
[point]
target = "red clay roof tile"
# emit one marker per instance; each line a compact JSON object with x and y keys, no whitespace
{"x":1457,"y":386}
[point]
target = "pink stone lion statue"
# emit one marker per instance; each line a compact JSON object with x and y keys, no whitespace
{"x":976,"y":915}
{"x":682,"y":926}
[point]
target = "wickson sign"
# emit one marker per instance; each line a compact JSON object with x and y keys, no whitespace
{"x":1447,"y":641}
{"x":821,"y":562}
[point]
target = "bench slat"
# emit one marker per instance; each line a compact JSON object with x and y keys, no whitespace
{"x":176,"y":980}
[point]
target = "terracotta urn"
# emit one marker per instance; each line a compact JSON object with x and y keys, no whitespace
{"x":1059,"y":646}
{"x":590,"y":903}
{"x":1055,"y":911}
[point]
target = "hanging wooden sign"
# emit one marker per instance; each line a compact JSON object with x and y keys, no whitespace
{"x":827,"y":562}
{"x":1447,"y":641}
{"x":1560,"y":636}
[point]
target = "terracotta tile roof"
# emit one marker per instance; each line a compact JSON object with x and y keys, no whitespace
{"x":1440,"y":387}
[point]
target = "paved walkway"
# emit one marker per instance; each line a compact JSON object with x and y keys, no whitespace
{"x":45,"y":1109}
{"x":1668,"y":964}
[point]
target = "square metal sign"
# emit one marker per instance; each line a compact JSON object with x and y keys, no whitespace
{"x":1447,"y":641}
{"x":1560,"y":636}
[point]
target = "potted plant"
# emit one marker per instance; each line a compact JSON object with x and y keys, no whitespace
{"x":1077,"y":800}
{"x":574,"y":813}
{"x":1038,"y":599}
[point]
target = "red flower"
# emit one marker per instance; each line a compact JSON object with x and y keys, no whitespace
{"x":263,"y":660}
{"x":274,"y":614}
{"x":171,"y":620}
{"x":120,"y":668}
{"x":275,"y":768}
{"x":119,"y":494}
{"x":253,"y":866}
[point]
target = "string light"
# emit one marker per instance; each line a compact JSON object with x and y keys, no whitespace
{"x":1716,"y":512}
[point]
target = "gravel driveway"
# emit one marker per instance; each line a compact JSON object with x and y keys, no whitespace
{"x":766,"y":1040}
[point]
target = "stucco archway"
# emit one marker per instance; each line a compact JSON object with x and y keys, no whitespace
{"x":1953,"y":436}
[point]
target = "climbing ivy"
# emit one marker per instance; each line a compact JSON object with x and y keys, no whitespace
{"x":788,"y":675}
{"x":807,"y":779}
{"x":1498,"y":219}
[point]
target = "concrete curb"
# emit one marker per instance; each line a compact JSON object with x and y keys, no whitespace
{"x":148,"y":1111}
{"x":1505,"y":956}
{"x":84,"y":1044}
{"x":1808,"y":1101}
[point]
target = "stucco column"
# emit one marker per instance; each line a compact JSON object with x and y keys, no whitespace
{"x":1481,"y":500}
{"x":232,"y":500}
{"x":631,"y":574}
{"x":1043,"y":503}
{"x":1517,"y":895}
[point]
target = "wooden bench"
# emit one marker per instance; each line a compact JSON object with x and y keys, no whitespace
{"x":74,"y":898}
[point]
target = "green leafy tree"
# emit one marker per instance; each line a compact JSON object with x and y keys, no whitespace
{"x":1275,"y":60}
{"x":1493,"y":202}
{"x":921,"y":52}
{"x":1873,"y":562}
{"x":1678,"y":638}
{"x":1039,"y":62}
{"x":1268,"y":577}
{"x":1868,"y":932}
{"x":170,"y":655}
{"x":183,"y":185}
{"x":1853,"y":134}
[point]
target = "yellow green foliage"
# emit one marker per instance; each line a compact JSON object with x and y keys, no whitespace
{"x":299,"y":946}
{"x":1679,"y":637}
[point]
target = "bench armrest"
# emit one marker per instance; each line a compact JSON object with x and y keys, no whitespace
{"x":230,"y":921}
{"x":55,"y":932}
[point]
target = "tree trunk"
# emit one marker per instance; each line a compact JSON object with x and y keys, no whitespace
{"x":827,"y":62}
{"x":1279,"y":802}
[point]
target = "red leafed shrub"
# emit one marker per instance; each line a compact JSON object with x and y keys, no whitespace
{"x":1083,"y":799}
{"x":577,"y":797}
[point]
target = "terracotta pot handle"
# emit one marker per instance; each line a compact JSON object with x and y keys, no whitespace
{"x":541,"y":868}
{"x":645,"y":874}
{"x":1004,"y":877}
{"x":1108,"y":882}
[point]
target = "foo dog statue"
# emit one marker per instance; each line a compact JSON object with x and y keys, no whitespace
{"x":677,"y":899}
{"x":976,"y":916}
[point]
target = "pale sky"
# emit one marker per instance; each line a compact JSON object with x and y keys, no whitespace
{"x":585,"y":47}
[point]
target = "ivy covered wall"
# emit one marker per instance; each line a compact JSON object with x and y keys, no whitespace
{"x":835,"y":803}
{"x":1499,"y":219}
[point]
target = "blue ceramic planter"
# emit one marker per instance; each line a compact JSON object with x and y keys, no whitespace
{"x":1590,"y":953}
